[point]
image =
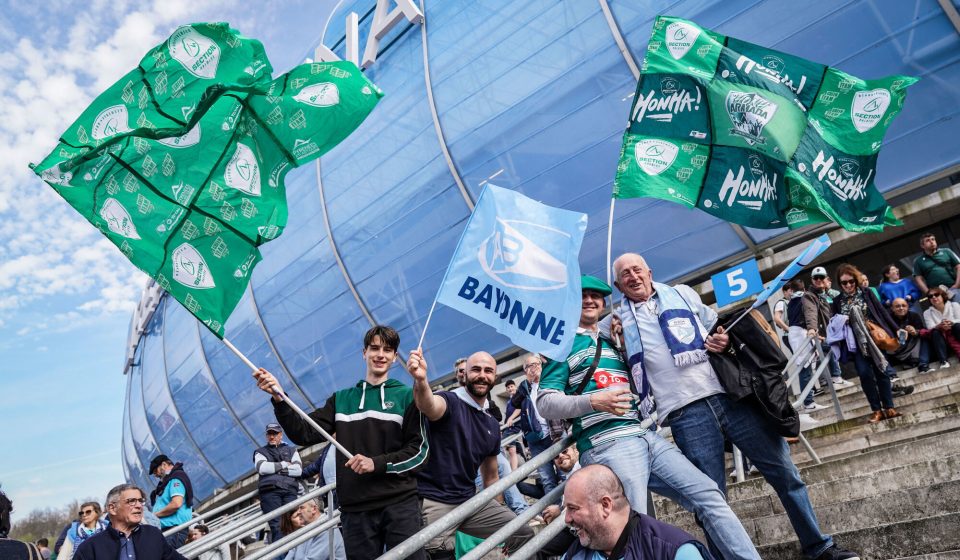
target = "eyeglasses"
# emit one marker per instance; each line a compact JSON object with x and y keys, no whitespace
{"x":848,"y":282}
{"x":132,"y":501}
{"x":461,"y":370}
{"x":935,"y":295}
{"x":87,"y":511}
{"x":534,"y":365}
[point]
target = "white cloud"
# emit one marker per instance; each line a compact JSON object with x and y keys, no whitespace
{"x":46,"y":80}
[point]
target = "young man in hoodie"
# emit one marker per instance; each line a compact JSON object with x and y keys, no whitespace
{"x":377,"y":421}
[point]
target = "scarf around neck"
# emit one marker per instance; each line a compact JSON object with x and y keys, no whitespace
{"x":681,"y":328}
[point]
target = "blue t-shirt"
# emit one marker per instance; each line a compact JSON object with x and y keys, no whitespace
{"x":183,"y":514}
{"x":460,"y":440}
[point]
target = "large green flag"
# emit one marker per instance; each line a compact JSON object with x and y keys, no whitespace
{"x":755,"y":136}
{"x":181,"y":163}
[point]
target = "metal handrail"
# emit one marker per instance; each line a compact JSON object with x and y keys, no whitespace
{"x":533,"y":546}
{"x":193,"y":550}
{"x":515,"y":524}
{"x":468,"y":508}
{"x":238,"y":515}
{"x":297,"y":538}
{"x":204,"y":515}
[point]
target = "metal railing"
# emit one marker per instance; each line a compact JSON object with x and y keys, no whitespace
{"x":531,"y":547}
{"x":207,"y":514}
{"x":514,"y":525}
{"x":237,"y":530}
{"x":468,"y":508}
{"x":299,"y":537}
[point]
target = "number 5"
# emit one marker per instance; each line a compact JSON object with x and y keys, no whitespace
{"x":738,"y":286}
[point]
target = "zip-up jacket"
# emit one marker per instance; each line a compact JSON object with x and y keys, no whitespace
{"x":378,"y":421}
{"x":270,"y":460}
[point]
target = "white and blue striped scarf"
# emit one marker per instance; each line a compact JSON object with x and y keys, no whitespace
{"x":682,"y":330}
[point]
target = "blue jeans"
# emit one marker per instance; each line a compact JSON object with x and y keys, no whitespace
{"x":805,"y":375}
{"x":875,"y":383}
{"x":700,"y":428}
{"x":270,"y":500}
{"x":639,"y":460}
{"x":834,"y":364}
{"x":548,"y":473}
{"x":511,"y":496}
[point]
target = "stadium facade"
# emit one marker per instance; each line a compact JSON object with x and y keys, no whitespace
{"x":530,"y":95}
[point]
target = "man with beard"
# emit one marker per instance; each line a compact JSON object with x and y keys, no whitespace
{"x":598,"y":512}
{"x":464,"y":437}
{"x":592,"y":387}
{"x":378,"y":422}
{"x":665,"y":329}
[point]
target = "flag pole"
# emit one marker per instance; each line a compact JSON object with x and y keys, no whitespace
{"x":289,"y":401}
{"x":427,"y":324}
{"x":610,"y":244}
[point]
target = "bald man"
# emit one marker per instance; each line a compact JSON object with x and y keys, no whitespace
{"x":463,"y":437}
{"x":598,"y":512}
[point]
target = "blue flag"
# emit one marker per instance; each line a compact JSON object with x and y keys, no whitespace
{"x":813,"y":250}
{"x":517,"y":269}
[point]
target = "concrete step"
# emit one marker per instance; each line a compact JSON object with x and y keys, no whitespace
{"x":887,"y":468}
{"x":909,"y":376}
{"x":914,"y":538}
{"x":928,"y":400}
{"x":829,"y":434}
{"x":855,"y":503}
{"x":946,"y":555}
{"x":857,"y":404}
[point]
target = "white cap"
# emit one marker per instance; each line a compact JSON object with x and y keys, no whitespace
{"x":818,"y":271}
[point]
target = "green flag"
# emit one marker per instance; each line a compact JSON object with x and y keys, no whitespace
{"x":755,"y":136}
{"x":181,"y":163}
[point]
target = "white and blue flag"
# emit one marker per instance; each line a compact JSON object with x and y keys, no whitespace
{"x":517,"y":269}
{"x":812,"y":251}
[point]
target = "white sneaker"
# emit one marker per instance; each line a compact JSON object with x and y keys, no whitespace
{"x":806,"y":422}
{"x":839,"y":383}
{"x":944,"y":365}
{"x":813,"y":406}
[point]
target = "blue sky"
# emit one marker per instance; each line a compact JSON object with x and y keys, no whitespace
{"x":66,"y":293}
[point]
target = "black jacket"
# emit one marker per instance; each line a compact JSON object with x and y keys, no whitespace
{"x":148,"y":542}
{"x":751,"y":369}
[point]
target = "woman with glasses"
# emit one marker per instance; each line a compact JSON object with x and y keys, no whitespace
{"x":943,"y":320}
{"x":860,"y":305}
{"x":88,"y":523}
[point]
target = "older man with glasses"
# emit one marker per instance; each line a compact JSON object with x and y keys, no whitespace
{"x":538,"y":432}
{"x":127,"y":538}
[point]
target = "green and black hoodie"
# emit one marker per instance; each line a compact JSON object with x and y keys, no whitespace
{"x":379,"y":421}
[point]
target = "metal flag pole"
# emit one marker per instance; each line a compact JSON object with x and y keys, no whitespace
{"x":290,"y":403}
{"x":610,"y":245}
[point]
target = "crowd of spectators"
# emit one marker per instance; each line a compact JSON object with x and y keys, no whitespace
{"x":418,"y":454}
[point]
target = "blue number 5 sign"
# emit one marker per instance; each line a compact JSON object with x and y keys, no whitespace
{"x":736,"y":283}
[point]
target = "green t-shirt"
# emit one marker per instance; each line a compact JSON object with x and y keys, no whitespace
{"x":937,"y":269}
{"x":595,"y":428}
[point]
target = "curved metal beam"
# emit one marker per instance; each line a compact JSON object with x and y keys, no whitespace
{"x":618,"y":39}
{"x":436,"y":117}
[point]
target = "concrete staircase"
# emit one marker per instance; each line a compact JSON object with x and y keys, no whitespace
{"x":887,"y":491}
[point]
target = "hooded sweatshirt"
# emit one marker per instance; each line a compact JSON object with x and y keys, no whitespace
{"x":378,"y":421}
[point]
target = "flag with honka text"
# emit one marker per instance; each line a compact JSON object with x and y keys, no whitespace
{"x":755,"y":136}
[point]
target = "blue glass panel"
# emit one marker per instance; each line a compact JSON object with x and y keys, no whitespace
{"x":162,"y":415}
{"x":204,"y":412}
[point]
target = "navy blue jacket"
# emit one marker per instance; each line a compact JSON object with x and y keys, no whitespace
{"x":644,"y":538}
{"x":148,"y":542}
